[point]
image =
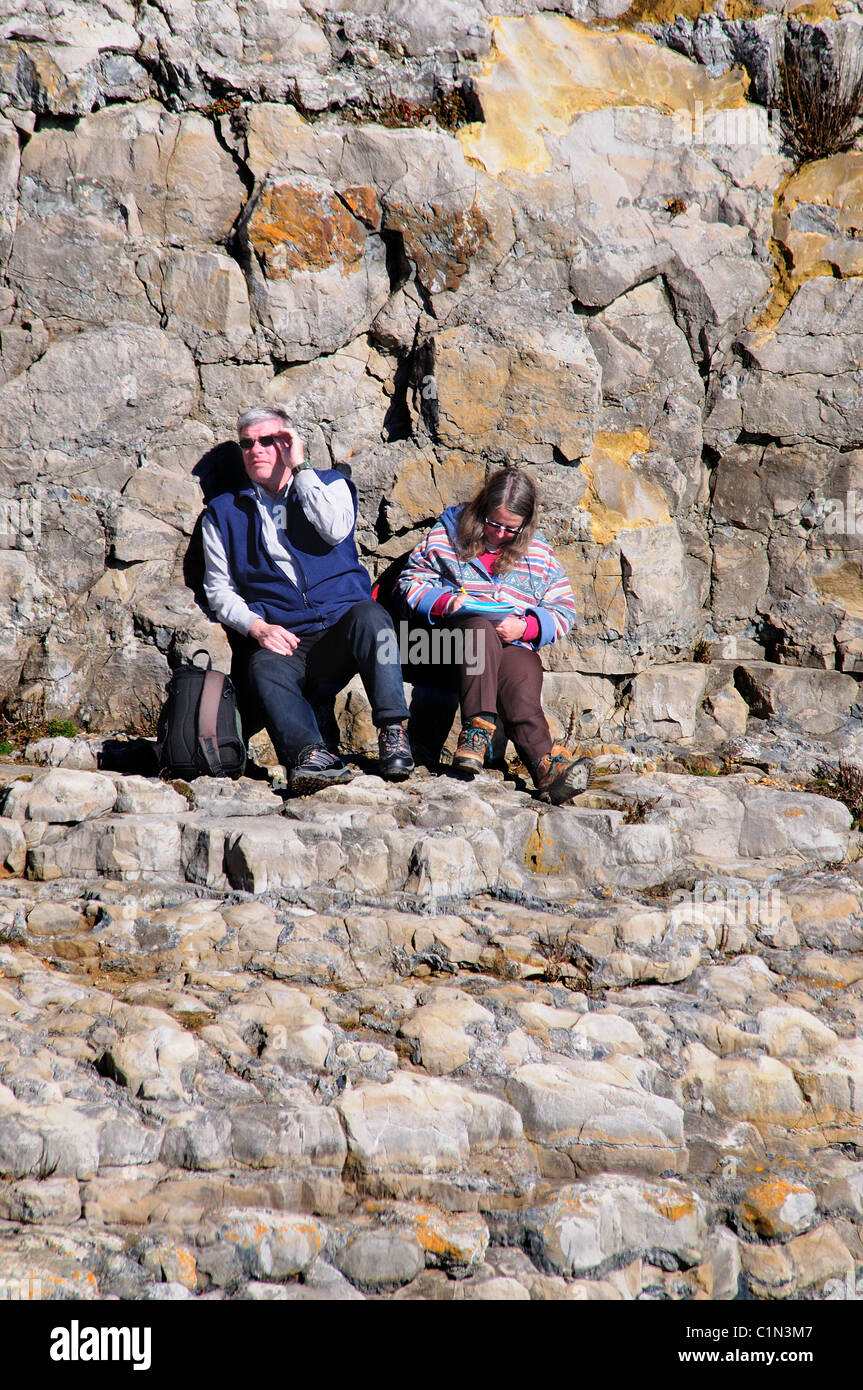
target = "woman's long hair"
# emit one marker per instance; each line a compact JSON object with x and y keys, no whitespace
{"x":508,"y":488}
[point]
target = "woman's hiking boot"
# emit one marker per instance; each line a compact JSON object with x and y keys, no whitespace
{"x":474,"y":745}
{"x":559,"y":777}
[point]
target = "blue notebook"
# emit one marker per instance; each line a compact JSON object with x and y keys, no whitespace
{"x":485,"y":608}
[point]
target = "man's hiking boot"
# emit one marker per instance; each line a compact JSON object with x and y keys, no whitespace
{"x":474,"y":746}
{"x":394,"y":752}
{"x":317,"y":768}
{"x":558,"y":777}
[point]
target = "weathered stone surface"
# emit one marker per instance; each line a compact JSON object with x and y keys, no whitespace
{"x":60,"y":797}
{"x":381,"y":1260}
{"x":665,"y":701}
{"x":598,"y":1117}
{"x":517,"y":389}
{"x":271,"y":1245}
{"x":730,"y":817}
{"x":805,"y":1263}
{"x":579,"y":72}
{"x":418,"y":1125}
{"x":13,"y":847}
{"x":158,"y":1062}
{"x":763,"y":1091}
{"x":438,"y":1027}
{"x":816,"y":216}
{"x":597,"y":844}
{"x":776,"y":1207}
{"x":587,"y":1225}
{"x":821,"y":362}
{"x":121,"y":848}
{"x":318,"y":279}
{"x":91,"y":401}
{"x":819,"y":701}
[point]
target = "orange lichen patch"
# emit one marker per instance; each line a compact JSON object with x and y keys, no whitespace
{"x":430,"y":1236}
{"x":674,"y":1206}
{"x":302,"y":227}
{"x":572,"y":1205}
{"x":767,"y":1196}
{"x":431,"y":1239}
{"x":363,"y":203}
{"x":441,"y":241}
{"x":535,"y":856}
{"x":187,"y":1268}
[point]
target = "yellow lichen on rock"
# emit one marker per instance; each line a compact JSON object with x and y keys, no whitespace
{"x":545,"y":69}
{"x":843,"y":585}
{"x":817,"y":230}
{"x":666,"y":11}
{"x":617,"y":498}
{"x":819,"y":217}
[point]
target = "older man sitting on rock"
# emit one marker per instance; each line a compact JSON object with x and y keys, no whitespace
{"x":282,"y":569}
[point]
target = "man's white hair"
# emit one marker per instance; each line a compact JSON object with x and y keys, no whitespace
{"x":259,"y":413}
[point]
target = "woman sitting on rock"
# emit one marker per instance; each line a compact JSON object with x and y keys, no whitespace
{"x":485,"y":566}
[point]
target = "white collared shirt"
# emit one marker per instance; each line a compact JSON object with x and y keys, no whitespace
{"x":328,"y":506}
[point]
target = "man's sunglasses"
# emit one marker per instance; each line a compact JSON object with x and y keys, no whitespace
{"x":496,"y":526}
{"x":247,"y":444}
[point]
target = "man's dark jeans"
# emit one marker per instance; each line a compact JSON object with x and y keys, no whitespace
{"x":289,"y":686}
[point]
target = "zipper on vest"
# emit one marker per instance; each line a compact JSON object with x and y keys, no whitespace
{"x":296,"y":561}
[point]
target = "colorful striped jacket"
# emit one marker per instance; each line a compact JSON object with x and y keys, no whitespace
{"x":536,"y":583}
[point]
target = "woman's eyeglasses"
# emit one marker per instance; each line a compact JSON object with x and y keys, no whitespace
{"x":266,"y":440}
{"x":496,"y":526}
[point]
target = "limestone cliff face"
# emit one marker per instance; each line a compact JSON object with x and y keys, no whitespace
{"x":446,"y":236}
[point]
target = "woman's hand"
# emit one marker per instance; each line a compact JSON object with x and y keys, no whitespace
{"x":511,"y":629}
{"x":455,"y":603}
{"x":274,"y":638}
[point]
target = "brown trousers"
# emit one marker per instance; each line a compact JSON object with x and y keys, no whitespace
{"x":511,"y":684}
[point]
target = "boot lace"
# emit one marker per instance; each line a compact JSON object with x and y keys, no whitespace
{"x":475,"y":737}
{"x":394,"y":740}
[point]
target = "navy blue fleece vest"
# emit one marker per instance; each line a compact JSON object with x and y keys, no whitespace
{"x":331,"y":578}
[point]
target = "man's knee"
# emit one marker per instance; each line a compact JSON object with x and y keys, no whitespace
{"x":267,"y":670}
{"x":369,"y":616}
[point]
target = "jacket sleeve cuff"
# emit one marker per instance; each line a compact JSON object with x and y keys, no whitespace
{"x":547,"y":630}
{"x":428,"y":601}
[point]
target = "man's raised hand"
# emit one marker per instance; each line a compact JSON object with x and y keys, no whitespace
{"x":290,"y":447}
{"x":274,"y":638}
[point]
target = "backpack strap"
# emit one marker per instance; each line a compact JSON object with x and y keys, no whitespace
{"x":208,"y":715}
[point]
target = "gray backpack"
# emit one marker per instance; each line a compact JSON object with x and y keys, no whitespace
{"x":199,"y":733}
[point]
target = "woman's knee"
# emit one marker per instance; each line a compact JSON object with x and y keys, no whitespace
{"x":522,"y":668}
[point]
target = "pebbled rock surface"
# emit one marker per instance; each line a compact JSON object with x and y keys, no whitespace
{"x":430,"y":1041}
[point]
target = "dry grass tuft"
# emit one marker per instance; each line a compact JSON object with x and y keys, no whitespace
{"x":818,"y":91}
